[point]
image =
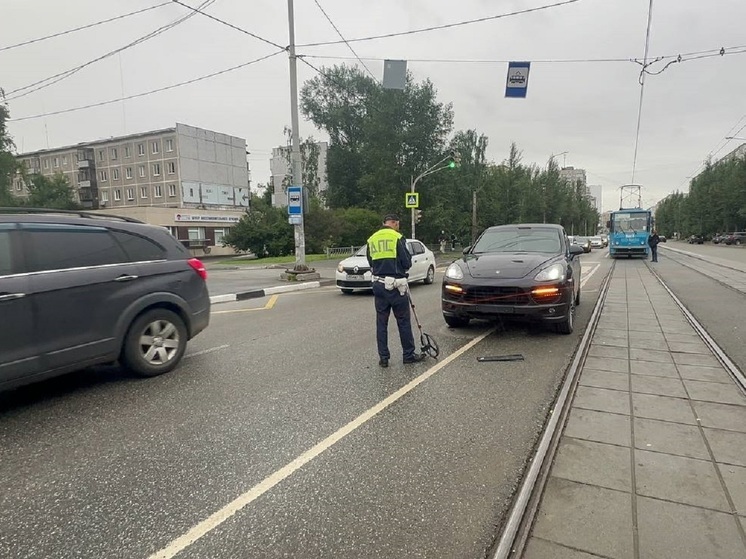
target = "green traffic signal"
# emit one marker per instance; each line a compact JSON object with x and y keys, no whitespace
{"x":452,"y":165}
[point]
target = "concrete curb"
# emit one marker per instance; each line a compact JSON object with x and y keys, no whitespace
{"x":257,"y":293}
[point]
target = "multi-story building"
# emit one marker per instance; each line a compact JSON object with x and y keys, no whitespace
{"x":573,"y":176}
{"x":279,"y":166}
{"x":596,"y":193}
{"x":191,"y":180}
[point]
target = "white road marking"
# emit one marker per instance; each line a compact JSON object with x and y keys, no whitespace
{"x":225,"y":513}
{"x":223,"y":298}
{"x":584,"y":280}
{"x":210,"y":350}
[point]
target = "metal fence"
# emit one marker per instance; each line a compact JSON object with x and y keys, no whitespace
{"x":332,"y":252}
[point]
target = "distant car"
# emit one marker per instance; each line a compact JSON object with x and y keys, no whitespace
{"x":353,"y":273}
{"x":605,"y":239}
{"x":526,"y":271}
{"x":718,"y":238}
{"x":81,"y":289}
{"x":695,"y":239}
{"x":597,"y":242}
{"x":738,"y":238}
{"x":662,"y":238}
{"x":582,"y":242}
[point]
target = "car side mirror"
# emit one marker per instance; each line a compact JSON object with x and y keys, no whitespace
{"x":575,"y":250}
{"x":466,"y":250}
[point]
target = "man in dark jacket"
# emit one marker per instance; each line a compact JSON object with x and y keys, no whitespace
{"x":390,"y":261}
{"x":653,"y":241}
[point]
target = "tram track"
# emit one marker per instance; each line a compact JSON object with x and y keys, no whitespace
{"x":518,"y":526}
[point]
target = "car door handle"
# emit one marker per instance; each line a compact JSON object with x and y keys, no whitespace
{"x":11,"y":296}
{"x":126,"y":278}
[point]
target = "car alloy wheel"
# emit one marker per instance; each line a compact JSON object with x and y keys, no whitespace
{"x":430,"y":277}
{"x":568,"y":324}
{"x":155,"y":343}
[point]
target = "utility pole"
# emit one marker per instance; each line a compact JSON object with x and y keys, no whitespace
{"x":454,"y":160}
{"x":295,"y":156}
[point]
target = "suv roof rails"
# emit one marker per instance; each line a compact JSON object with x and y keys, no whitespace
{"x":78,"y":213}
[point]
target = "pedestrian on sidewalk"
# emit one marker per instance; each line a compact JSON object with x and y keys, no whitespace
{"x":653,"y":241}
{"x":390,"y":262}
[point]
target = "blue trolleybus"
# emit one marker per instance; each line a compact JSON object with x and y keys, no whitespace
{"x":629,"y":230}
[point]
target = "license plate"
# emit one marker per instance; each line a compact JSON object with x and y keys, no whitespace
{"x":353,"y":277}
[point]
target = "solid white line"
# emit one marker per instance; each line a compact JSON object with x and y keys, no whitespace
{"x":196,"y":353}
{"x":220,"y":516}
{"x":223,"y":298}
{"x":588,"y":276}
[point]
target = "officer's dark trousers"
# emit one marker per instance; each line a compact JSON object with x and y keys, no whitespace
{"x":387,"y":301}
{"x":654,"y":253}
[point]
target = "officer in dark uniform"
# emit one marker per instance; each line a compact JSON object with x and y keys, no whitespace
{"x":390,"y":261}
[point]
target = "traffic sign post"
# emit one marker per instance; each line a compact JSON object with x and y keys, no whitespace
{"x":517,"y":82}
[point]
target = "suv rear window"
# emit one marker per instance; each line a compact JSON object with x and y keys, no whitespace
{"x":58,"y":246}
{"x":139,"y":249}
{"x":6,"y":266}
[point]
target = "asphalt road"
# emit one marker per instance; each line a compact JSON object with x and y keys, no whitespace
{"x":280,"y":420}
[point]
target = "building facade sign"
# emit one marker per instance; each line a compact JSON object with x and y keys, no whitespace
{"x":207,"y":218}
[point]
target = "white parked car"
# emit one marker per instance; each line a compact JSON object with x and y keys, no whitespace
{"x":353,"y":273}
{"x":597,"y":242}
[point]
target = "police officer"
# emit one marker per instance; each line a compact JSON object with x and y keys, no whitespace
{"x":653,"y":241}
{"x":390,"y":261}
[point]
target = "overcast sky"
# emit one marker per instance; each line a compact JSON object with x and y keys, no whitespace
{"x":588,"y":109}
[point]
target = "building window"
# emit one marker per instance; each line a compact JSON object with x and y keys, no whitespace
{"x":127,"y":151}
{"x":172,"y":190}
{"x":156,"y":169}
{"x":115,"y":174}
{"x":19,"y":185}
{"x":158,"y":191}
{"x":56,"y":162}
{"x":143,"y":192}
{"x":155,"y":148}
{"x":140,"y":149}
{"x":219,"y":234}
{"x":103,"y":176}
{"x":117,"y":195}
{"x":64,"y":160}
{"x":196,"y":233}
{"x":171,"y":168}
{"x":114,"y":153}
{"x":130,"y":194}
{"x":141,"y":171}
{"x":104,"y":196}
{"x":128,"y":172}
{"x":100,"y":155}
{"x":169,"y":144}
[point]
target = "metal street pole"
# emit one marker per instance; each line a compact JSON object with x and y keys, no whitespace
{"x":412,"y":185}
{"x":295,"y":157}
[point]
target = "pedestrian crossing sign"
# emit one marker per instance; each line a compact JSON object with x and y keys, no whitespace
{"x":412,"y":200}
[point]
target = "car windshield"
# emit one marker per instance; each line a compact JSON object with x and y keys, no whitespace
{"x":362,"y":251}
{"x":518,"y":240}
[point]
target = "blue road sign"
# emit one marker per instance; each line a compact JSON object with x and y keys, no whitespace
{"x":517,"y":82}
{"x":295,"y":200}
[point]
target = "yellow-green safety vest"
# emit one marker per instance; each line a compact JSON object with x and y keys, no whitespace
{"x":382,"y":244}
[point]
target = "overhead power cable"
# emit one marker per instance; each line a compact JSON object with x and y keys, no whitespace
{"x":88,"y":26}
{"x":438,"y":27}
{"x":51,"y":80}
{"x":198,"y":10}
{"x":642,"y":89}
{"x":469,"y":61}
{"x":136,"y":95}
{"x":349,"y":46}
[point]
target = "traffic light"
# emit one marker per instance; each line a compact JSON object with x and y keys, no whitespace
{"x":417,"y":216}
{"x":455,"y":159}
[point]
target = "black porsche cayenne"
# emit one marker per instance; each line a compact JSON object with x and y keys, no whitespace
{"x":520,"y":271}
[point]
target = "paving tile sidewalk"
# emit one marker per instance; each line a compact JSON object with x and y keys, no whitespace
{"x":652,"y":462}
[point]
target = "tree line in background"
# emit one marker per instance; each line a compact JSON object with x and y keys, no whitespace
{"x":716,"y":202}
{"x":379,"y":139}
{"x":43,"y":191}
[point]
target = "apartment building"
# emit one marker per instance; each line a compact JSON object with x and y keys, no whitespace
{"x":191,"y":180}
{"x":279,"y":166}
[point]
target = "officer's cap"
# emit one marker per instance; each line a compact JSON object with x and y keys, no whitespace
{"x":390,"y":217}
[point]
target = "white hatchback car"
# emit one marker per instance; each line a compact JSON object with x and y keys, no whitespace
{"x":353,"y":273}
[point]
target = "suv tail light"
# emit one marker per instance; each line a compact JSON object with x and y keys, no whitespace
{"x":198,"y":267}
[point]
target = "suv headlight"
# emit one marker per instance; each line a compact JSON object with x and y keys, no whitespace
{"x":552,"y":273}
{"x":454,"y":271}
{"x":340,"y":268}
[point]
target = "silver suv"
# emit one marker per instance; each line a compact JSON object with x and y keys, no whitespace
{"x":80,"y":289}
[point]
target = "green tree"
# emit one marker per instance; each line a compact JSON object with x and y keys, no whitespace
{"x":50,"y":192}
{"x":8,"y":163}
{"x":264,"y":230}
